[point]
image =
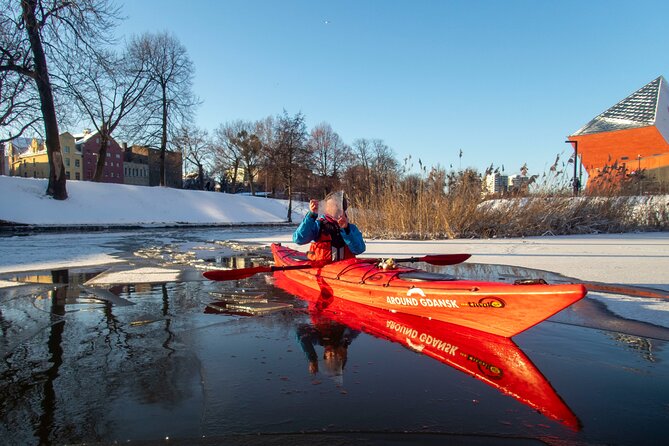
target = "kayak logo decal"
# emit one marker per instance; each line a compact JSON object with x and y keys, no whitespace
{"x":418,"y":340}
{"x":423,"y":301}
{"x":487,"y":369}
{"x":488,"y":302}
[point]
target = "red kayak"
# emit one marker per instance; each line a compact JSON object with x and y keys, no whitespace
{"x":494,"y":360}
{"x":498,"y":308}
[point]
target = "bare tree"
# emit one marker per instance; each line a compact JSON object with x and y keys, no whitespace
{"x":227,"y":152}
{"x":169,"y":104}
{"x":196,"y":148}
{"x":253,"y":150}
{"x":290,"y":151}
{"x":329,"y":155}
{"x":106,"y":87}
{"x":360,"y":174}
{"x":37,"y":31}
{"x":373,"y":168}
{"x":384,"y":168}
{"x":19,"y":104}
{"x":265,"y":130}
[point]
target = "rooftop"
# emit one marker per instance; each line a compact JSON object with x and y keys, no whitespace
{"x":637,"y":110}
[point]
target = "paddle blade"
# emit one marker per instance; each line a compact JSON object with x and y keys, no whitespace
{"x":445,"y":259}
{"x":235,"y":274}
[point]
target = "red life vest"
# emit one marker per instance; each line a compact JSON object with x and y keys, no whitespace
{"x":330,"y":245}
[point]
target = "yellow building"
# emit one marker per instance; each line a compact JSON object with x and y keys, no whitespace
{"x":28,"y":157}
{"x":71,"y":157}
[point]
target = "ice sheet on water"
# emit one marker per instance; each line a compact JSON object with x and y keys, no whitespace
{"x":137,"y":275}
{"x":8,"y":283}
{"x":645,"y":309}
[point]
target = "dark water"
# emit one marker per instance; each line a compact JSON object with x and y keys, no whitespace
{"x":150,"y":362}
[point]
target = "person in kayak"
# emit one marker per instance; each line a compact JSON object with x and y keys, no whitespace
{"x":331,"y":235}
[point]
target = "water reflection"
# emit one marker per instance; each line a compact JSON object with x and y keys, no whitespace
{"x":333,"y":337}
{"x":494,"y":360}
{"x":140,"y":361}
{"x":58,"y":296}
{"x":67,"y":367}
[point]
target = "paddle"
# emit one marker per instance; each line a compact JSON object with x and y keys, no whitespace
{"x":437,"y":259}
{"x":243,"y":273}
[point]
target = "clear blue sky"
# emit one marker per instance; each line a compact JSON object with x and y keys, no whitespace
{"x":505,"y":81}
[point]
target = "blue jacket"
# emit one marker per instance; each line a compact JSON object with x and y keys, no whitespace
{"x":310,"y":229}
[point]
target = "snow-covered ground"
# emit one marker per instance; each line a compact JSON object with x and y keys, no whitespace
{"x":23,"y":200}
{"x":640,"y":259}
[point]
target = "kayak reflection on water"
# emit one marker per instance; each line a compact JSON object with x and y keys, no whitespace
{"x":333,"y":337}
{"x":494,"y":360}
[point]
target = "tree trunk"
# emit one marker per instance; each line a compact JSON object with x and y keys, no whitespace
{"x":163,"y":138}
{"x":234,"y":177}
{"x":102,"y":156}
{"x":251,"y":176}
{"x":290,"y":194}
{"x":56,"y":188}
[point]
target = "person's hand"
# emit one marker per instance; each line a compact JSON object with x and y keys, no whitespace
{"x":313,"y":206}
{"x":343,"y":221}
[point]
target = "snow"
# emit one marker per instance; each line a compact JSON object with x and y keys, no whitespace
{"x":636,"y":259}
{"x":38,"y":253}
{"x":23,"y":200}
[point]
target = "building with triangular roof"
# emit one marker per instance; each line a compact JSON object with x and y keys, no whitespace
{"x":28,"y":157}
{"x":630,"y":137}
{"x":88,"y":144}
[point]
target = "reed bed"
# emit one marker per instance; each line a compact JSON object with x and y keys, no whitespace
{"x":419,"y":212}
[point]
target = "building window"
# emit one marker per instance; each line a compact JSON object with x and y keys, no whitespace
{"x":66,"y":149}
{"x":108,"y":155}
{"x":67,"y":174}
{"x":77,"y":176}
{"x":76,"y":163}
{"x":67,"y":162}
{"x":118,"y":155}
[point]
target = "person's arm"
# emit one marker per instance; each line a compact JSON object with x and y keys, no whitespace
{"x":310,"y":228}
{"x":307,"y":337}
{"x":353,"y":239}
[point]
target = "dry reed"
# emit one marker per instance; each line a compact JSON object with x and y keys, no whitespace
{"x":419,"y":209}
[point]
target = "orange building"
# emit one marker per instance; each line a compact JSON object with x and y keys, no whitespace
{"x":631,"y":136}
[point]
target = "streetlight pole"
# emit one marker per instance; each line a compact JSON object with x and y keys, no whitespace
{"x":575,"y":182}
{"x":638,"y":171}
